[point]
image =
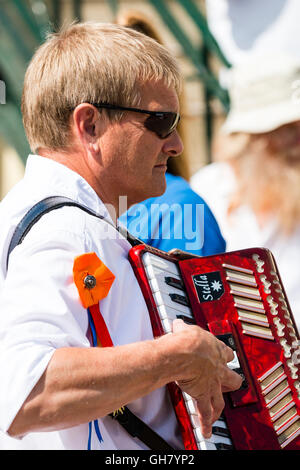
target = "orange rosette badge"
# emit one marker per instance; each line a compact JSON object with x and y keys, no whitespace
{"x":92,"y":279}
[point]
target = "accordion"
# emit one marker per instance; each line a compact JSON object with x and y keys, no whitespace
{"x":239,"y":297}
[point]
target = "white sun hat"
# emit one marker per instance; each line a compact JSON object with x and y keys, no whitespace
{"x":264,"y":94}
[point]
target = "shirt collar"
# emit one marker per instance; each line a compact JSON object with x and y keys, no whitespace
{"x":55,"y":179}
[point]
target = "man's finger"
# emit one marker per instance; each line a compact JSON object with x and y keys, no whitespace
{"x":225,"y":352}
{"x":179,"y":325}
{"x":231,"y":380}
{"x":218,"y":404}
{"x":206,"y":416}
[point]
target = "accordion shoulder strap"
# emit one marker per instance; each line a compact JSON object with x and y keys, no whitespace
{"x":55,"y":202}
{"x":133,"y":425}
{"x":137,"y":428}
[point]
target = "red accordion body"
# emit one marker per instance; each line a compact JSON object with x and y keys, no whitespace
{"x":239,"y":297}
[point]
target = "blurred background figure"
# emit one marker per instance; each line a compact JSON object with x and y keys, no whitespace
{"x":253,"y":186}
{"x":179,"y":218}
{"x":245,"y":29}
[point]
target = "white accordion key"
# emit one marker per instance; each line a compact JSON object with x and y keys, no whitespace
{"x":167,"y":311}
{"x":165,"y":283}
{"x":190,"y":404}
{"x":220,"y":434}
{"x":195,"y":420}
{"x":235,"y":363}
{"x":219,"y":438}
{"x":171,"y":301}
{"x":159,"y":283}
{"x":167,"y":325}
{"x":158,"y":262}
{"x":164,"y":299}
{"x":213,"y":442}
{"x":204,"y":444}
{"x":153,"y":272}
{"x":171,"y":313}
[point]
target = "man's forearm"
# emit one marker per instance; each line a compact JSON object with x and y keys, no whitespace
{"x":82,"y":384}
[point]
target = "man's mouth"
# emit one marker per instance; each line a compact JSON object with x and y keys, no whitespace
{"x":161,"y":165}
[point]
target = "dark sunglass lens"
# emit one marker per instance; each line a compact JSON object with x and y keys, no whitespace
{"x":163,"y":125}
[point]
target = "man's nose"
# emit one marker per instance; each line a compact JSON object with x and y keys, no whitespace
{"x":173,"y":145}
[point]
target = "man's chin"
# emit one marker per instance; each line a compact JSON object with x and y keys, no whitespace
{"x":160,"y":189}
{"x":155,"y":191}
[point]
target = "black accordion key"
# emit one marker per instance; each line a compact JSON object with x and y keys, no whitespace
{"x":218,"y":431}
{"x":173,"y":282}
{"x":180,"y":299}
{"x":222,"y":446}
{"x":188,"y":320}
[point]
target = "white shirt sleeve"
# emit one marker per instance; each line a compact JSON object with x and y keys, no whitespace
{"x":40,"y":312}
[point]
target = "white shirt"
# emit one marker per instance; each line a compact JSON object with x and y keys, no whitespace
{"x":41,"y":311}
{"x":216,"y":183}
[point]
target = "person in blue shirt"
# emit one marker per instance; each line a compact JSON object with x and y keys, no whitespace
{"x":177,"y":219}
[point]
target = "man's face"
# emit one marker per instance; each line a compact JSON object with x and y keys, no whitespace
{"x":135,"y":158}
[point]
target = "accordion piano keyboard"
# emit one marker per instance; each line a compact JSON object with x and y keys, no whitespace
{"x":172,"y":303}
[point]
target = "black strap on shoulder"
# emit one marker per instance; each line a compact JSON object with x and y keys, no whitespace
{"x":133,"y":425}
{"x":34,"y":214}
{"x":48,"y":204}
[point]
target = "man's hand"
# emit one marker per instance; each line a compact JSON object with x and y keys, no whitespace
{"x":206,"y":374}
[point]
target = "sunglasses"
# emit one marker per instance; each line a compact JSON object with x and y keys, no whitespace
{"x":162,"y":123}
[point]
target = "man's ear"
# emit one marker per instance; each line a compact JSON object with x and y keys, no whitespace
{"x":85,"y":117}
